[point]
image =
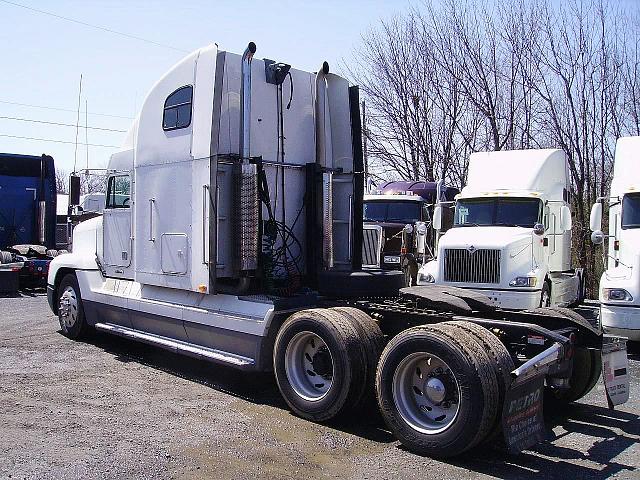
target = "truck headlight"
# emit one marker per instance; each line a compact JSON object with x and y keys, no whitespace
{"x":523,"y":282}
{"x":617,"y":294}
{"x":425,"y":278}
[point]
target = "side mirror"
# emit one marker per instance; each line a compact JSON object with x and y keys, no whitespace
{"x":74,"y":190}
{"x":595,"y":219}
{"x":421,"y":237}
{"x":437,"y":217}
{"x":597,"y":237}
{"x":565,"y":219}
{"x":538,"y":229}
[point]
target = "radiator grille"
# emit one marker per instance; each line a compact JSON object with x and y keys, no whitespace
{"x":371,"y":237}
{"x":480,"y":266}
{"x":61,"y":235}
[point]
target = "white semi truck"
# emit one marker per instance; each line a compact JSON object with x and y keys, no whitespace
{"x":620,"y":283}
{"x":511,"y":235}
{"x":214,"y":243}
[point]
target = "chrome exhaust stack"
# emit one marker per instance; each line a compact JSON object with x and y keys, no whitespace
{"x":245,"y":103}
{"x":324,"y":159}
{"x":246,"y":181}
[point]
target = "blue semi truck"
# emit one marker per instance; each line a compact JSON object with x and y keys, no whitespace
{"x":27,"y":219}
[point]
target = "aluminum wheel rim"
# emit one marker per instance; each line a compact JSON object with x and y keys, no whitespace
{"x":68,"y":307}
{"x":306,"y":366}
{"x":426,"y":393}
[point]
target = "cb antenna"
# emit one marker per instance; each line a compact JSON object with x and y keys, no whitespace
{"x":75,"y":151}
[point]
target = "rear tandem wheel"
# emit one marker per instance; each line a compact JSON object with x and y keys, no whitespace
{"x":587,"y":363}
{"x":437,"y":390}
{"x":320,"y":362}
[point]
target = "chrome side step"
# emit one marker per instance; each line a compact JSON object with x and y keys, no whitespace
{"x":178,"y":346}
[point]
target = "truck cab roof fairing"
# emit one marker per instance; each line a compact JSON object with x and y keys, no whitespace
{"x":153,"y":144}
{"x":626,"y":174}
{"x":538,"y":170}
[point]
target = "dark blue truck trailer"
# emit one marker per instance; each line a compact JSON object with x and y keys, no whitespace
{"x":27,"y":219}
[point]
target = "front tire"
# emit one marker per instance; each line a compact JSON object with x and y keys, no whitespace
{"x":70,"y":310}
{"x":545,"y":296}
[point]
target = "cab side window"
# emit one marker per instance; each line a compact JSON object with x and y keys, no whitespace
{"x":177,"y":109}
{"x":118,"y":191}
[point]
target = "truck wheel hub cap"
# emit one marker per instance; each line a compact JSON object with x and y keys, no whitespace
{"x":68,"y":307}
{"x":434,"y":390}
{"x":426,"y":393}
{"x":309,"y":366}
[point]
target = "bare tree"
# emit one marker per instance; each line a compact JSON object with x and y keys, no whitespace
{"x":93,"y":182}
{"x":62,"y":181}
{"x":412,"y":129}
{"x":453,"y":77}
{"x":580,"y":79}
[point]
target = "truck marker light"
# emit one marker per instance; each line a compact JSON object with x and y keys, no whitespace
{"x":202,"y":288}
{"x":616,"y":245}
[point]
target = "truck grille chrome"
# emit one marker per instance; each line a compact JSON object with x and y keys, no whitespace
{"x":478,"y":266}
{"x":371,"y":247}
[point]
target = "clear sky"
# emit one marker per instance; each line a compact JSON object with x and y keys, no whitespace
{"x":43,"y":57}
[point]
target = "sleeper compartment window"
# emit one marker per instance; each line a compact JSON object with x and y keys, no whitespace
{"x":177,"y":109}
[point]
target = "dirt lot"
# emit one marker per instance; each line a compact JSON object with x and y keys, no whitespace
{"x":114,"y":409}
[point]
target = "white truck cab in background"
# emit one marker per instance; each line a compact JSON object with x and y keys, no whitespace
{"x":619,"y":291}
{"x":511,"y":236}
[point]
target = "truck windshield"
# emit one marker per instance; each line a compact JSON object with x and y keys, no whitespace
{"x":511,"y":212}
{"x":391,"y":211}
{"x":631,"y":210}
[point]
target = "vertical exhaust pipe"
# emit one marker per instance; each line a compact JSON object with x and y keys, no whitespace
{"x":246,"y":187}
{"x":41,"y":221}
{"x":324,"y":158}
{"x":322,"y":117}
{"x":245,"y":102}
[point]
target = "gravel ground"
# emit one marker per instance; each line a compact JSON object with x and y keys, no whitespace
{"x":110,"y":408}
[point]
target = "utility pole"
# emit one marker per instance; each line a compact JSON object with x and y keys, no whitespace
{"x":75,"y":151}
{"x":364,"y":143}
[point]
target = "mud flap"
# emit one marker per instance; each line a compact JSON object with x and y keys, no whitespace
{"x":615,"y":370}
{"x":522,"y":417}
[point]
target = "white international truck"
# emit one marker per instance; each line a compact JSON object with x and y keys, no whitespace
{"x":214,"y":243}
{"x":511,"y":235}
{"x":619,"y":291}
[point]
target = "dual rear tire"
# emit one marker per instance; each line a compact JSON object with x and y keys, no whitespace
{"x":324,"y":361}
{"x":439,"y":388}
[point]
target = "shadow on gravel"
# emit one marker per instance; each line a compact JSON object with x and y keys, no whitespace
{"x":548,"y":459}
{"x":257,"y":388}
{"x":633,"y":350}
{"x":552,"y":460}
{"x":25,"y":292}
